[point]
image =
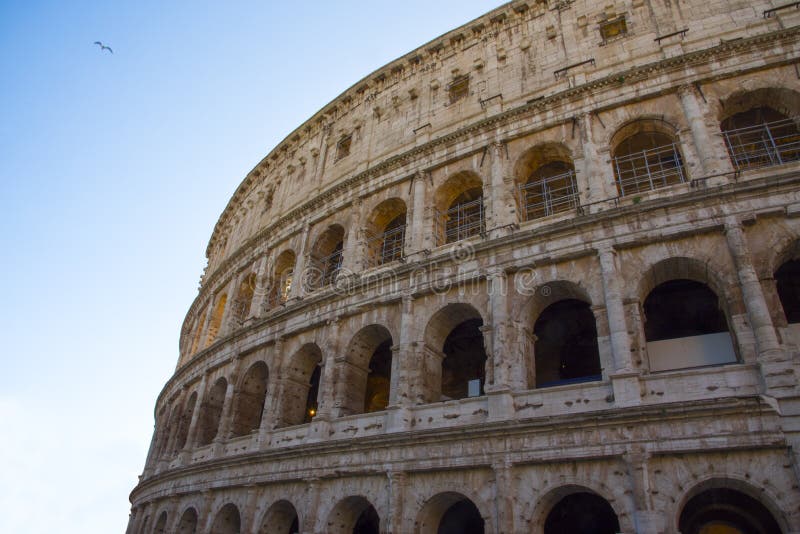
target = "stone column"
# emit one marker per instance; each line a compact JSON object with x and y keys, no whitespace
{"x":261,"y":291}
{"x":204,"y":517}
{"x":400,"y":394}
{"x":201,"y":340}
{"x":310,"y":519}
{"x":226,"y":417}
{"x":777,"y":371}
{"x":417,"y":235}
{"x":230,"y":300}
{"x":272,"y":404}
{"x":646,"y":519}
{"x":249,"y":515}
{"x":179,"y":407}
{"x":352,"y":249}
{"x":327,"y":404}
{"x":191,"y":437}
{"x":504,"y":493}
{"x":594,"y":179}
{"x":505,"y":372}
{"x":298,"y":278}
{"x":711,"y":149}
{"x":624,"y":378}
{"x":503,"y":205}
{"x":398,"y":481}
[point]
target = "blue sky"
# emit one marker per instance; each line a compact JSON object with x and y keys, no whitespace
{"x":113,"y":171}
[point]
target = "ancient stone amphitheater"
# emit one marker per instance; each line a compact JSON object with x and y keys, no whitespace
{"x":540,"y":275}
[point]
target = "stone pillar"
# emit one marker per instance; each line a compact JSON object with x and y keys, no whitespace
{"x":352,"y":249}
{"x":504,"y":495}
{"x":398,"y":482}
{"x":711,"y":149}
{"x":230,"y":301}
{"x":204,"y":517}
{"x":777,"y":371}
{"x":327,"y":404}
{"x":179,"y":407}
{"x":249,"y":513}
{"x":417,"y":235}
{"x":310,"y":519}
{"x":594,"y":179}
{"x":624,"y":378}
{"x":191,"y":437}
{"x":501,"y":193}
{"x":400,"y":395}
{"x":506,"y":372}
{"x":201,"y":340}
{"x":261,"y":292}
{"x":646,"y":519}
{"x":299,"y":277}
{"x":272,"y":404}
{"x":226,"y":417}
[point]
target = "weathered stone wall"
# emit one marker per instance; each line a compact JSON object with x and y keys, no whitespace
{"x":646,"y":442}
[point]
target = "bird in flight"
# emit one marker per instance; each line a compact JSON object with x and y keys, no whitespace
{"x":103,"y":47}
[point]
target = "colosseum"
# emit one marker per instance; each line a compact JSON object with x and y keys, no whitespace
{"x":539,"y":275}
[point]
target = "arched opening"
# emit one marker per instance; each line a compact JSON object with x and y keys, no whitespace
{"x":227,"y":521}
{"x":646,"y":156}
{"x":301,"y":386}
{"x":216,"y":319}
{"x":244,"y":299}
{"x":211,"y":412}
{"x":566,"y":349}
{"x":386,"y":232}
{"x":249,"y":401}
{"x":188,"y":522}
{"x":450,"y":513}
{"x":326,"y":257}
{"x":787,"y":281}
{"x":161,"y":524}
{"x":546,"y":179}
{"x":354,"y":515}
{"x":281,"y":518}
{"x":459,"y":208}
{"x":726,"y":511}
{"x":282,"y":278}
{"x":583,"y":512}
{"x":364,"y":383}
{"x":760,"y":127}
{"x":685,"y":327}
{"x":185,"y":422}
{"x":454,"y":333}
{"x":162,"y":433}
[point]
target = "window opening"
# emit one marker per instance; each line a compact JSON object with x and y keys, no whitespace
{"x":343,"y":147}
{"x":647,"y":161}
{"x":761,"y":137}
{"x":458,"y":88}
{"x":465,"y":217}
{"x":550,"y":189}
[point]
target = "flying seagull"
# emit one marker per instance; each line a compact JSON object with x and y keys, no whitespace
{"x":103,"y":47}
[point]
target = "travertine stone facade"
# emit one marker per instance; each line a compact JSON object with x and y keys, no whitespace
{"x":541,"y":273}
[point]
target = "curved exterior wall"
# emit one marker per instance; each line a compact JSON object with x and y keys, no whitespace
{"x":483,"y":108}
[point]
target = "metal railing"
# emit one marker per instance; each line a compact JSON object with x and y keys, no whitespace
{"x":326,"y":270}
{"x":547,"y":196}
{"x":649,"y":169}
{"x":763,"y":145}
{"x":387,"y":246}
{"x":461,"y":221}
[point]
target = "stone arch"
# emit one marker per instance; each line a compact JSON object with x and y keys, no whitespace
{"x":459,"y":207}
{"x":280,"y":518}
{"x":184,"y":422}
{"x":162,"y":433}
{"x":550,"y":500}
{"x":760,"y":126}
{"x":386,"y":230}
{"x":730,"y":502}
{"x":456,"y":353}
{"x":216,"y":318}
{"x":282,"y":277}
{"x":188,"y":522}
{"x":366,"y":372}
{"x":686,"y":319}
{"x":161,"y":524}
{"x":211,"y":412}
{"x":353,"y":515}
{"x":646,"y":155}
{"x":325,"y":260}
{"x":301,"y":385}
{"x":248,"y":403}
{"x":227,"y":520}
{"x":545,"y":177}
{"x":450,"y":512}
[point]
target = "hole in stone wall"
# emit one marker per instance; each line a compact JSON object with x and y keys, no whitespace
{"x":566,"y":344}
{"x":464,"y":361}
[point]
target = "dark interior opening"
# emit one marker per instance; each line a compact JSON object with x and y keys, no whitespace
{"x":682,"y":308}
{"x":584,"y":513}
{"x":566,"y":344}
{"x":465,"y":359}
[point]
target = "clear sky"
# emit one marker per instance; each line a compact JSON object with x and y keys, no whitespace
{"x":113,"y":171}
